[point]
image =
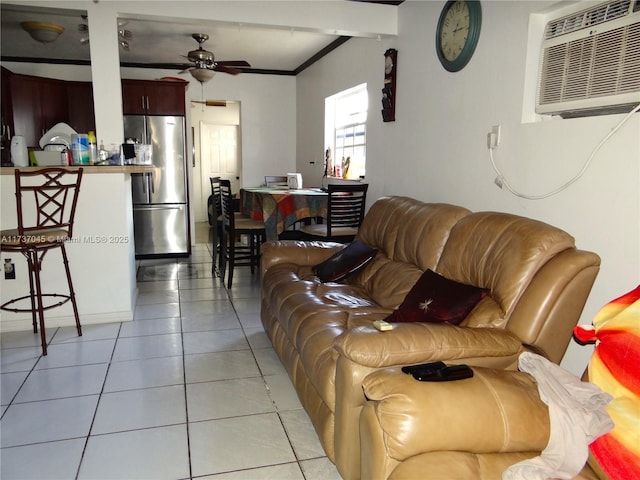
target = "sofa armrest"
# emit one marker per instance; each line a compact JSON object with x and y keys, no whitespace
{"x":410,"y":343}
{"x":296,"y":252}
{"x":496,"y":411}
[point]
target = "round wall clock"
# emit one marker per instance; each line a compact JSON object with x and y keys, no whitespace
{"x":458,"y":33}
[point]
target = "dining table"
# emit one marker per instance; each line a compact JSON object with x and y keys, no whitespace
{"x":279,"y":208}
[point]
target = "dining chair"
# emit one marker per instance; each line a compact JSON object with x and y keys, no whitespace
{"x":276,"y":181}
{"x":234,"y":226}
{"x":345,"y":211}
{"x":215,"y":213}
{"x":46,"y":201}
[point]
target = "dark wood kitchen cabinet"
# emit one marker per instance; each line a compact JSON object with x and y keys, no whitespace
{"x":32,"y":105}
{"x":153,"y":97}
{"x":82,"y":116}
{"x":38,"y":104}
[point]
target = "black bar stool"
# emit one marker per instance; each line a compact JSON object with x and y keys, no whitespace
{"x":46,"y":202}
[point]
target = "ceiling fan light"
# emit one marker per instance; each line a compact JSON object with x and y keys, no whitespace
{"x":43,"y":32}
{"x":202,"y":74}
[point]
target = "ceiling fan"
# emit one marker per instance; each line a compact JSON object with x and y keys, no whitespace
{"x":204,"y":63}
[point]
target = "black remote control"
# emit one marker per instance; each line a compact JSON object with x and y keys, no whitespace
{"x":423,"y":367}
{"x":454,"y":372}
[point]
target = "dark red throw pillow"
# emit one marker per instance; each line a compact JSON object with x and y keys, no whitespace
{"x":345,"y":262}
{"x":435,"y":298}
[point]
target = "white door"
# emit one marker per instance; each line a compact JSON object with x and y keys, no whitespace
{"x":219,"y":155}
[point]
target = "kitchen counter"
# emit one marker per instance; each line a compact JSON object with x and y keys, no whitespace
{"x":101,"y":253}
{"x":90,"y":168}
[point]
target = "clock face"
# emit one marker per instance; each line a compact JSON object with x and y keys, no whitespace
{"x":455,"y":31}
{"x":458,"y":33}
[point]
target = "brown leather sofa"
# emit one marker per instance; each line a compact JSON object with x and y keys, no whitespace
{"x":472,"y":429}
{"x":537,"y":279}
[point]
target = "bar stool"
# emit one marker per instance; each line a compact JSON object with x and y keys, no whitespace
{"x":46,"y":202}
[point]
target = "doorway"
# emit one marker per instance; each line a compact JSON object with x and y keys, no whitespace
{"x":217,"y":151}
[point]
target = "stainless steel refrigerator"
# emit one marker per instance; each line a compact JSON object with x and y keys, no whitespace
{"x":160,"y":207}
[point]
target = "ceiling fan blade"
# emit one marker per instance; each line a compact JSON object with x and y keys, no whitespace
{"x":225,"y":69}
{"x":234,"y":63}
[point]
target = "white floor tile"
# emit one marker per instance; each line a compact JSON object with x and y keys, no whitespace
{"x":154,"y":453}
{"x":159,"y":310}
{"x":47,"y":421}
{"x":157,"y":286}
{"x":84,"y":353}
{"x":150,"y":346}
{"x":21,"y":359}
{"x":51,"y":460}
{"x":227,"y":398}
{"x":24,"y":338}
{"x":214,"y":341}
{"x":136,"y":409}
{"x":287,"y":471}
{"x":282,"y":392}
{"x":62,"y":383}
{"x":9,"y":385}
{"x":257,"y":338}
{"x":151,"y":372}
{"x":207,"y":367}
{"x":269,"y":362}
{"x":210,"y":321}
{"x":157,"y":296}
{"x":319,"y":469}
{"x":89,"y":333}
{"x":302,"y":435}
{"x":156,"y":326}
{"x":193,"y":283}
{"x":238,"y":443}
{"x":203,"y":294}
{"x":206,"y":307}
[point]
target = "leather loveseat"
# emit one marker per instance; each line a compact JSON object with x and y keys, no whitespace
{"x":537,"y":281}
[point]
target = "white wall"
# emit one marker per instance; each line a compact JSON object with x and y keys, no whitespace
{"x":436,"y":148}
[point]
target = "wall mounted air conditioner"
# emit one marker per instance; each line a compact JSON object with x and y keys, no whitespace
{"x":590,"y":61}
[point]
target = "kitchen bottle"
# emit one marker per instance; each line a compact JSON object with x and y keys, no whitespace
{"x":19,"y":155}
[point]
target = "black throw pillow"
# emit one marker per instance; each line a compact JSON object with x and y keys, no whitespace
{"x":345,"y":262}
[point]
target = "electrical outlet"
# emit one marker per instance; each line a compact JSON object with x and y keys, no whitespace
{"x":493,"y":137}
{"x":9,"y":270}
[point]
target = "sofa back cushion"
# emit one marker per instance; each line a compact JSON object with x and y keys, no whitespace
{"x":502,"y":253}
{"x":409,"y":236}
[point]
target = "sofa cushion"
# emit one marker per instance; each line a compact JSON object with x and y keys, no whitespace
{"x":345,"y":262}
{"x":435,"y":298}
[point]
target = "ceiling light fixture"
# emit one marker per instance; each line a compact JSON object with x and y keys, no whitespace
{"x":202,"y":74}
{"x":43,"y":32}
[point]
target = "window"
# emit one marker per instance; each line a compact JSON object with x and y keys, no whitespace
{"x":346,"y":132}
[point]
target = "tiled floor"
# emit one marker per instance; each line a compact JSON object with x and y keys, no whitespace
{"x":190,"y":389}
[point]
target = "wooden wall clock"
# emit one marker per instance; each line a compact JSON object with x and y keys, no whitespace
{"x":389,"y":89}
{"x":458,"y":33}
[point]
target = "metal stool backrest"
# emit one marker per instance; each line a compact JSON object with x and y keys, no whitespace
{"x":46,"y":200}
{"x":346,"y":205}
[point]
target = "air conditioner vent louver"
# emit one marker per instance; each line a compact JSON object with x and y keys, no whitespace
{"x":593,"y":71}
{"x":587,"y":18}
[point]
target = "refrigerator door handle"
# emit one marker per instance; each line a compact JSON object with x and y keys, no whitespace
{"x":152,"y":187}
{"x":159,"y":207}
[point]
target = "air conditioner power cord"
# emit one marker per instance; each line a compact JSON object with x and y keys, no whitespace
{"x":502,"y":181}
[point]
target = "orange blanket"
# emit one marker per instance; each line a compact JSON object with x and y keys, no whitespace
{"x":615,"y":368}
